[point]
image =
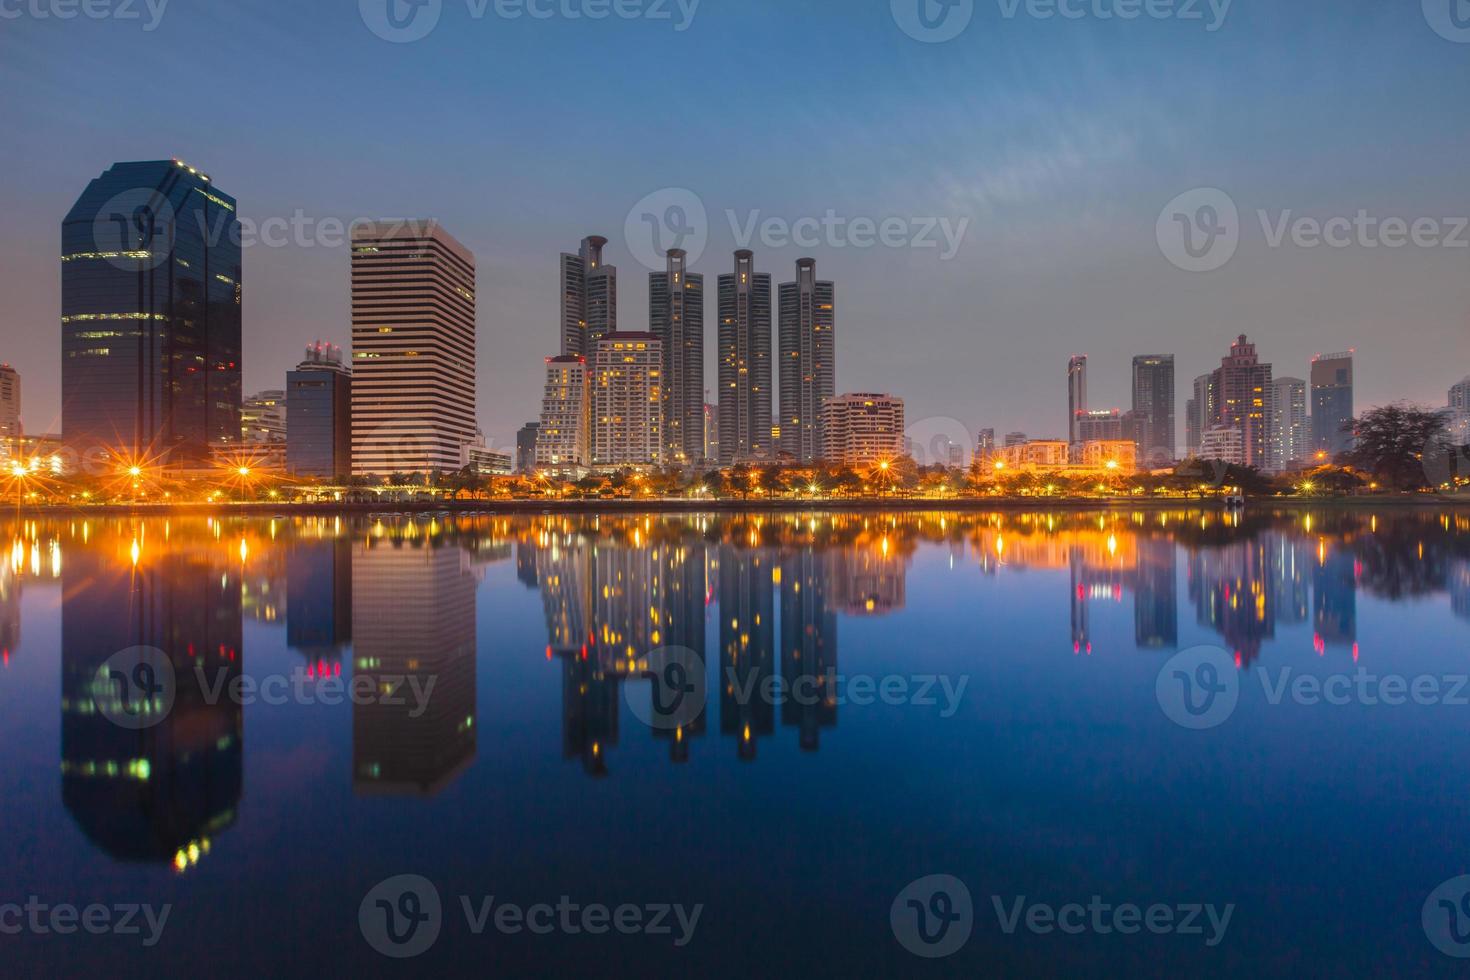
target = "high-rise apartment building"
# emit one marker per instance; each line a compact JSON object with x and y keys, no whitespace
{"x":1460,"y":396}
{"x":1290,"y":444}
{"x":589,"y":298}
{"x":744,"y":337}
{"x":676,"y":318}
{"x":10,"y":420}
{"x":1076,"y":395}
{"x":1153,"y":408}
{"x":627,"y":402}
{"x":564,"y":435}
{"x":413,"y":348}
{"x":319,"y":415}
{"x":863,"y":429}
{"x":1241,"y":397}
{"x":808,"y":360}
{"x":1332,"y":403}
{"x":263,"y":417}
{"x":150,"y":316}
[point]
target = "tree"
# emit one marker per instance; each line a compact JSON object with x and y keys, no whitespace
{"x":1391,"y":443}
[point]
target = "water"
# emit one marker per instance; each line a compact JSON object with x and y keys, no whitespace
{"x":976,"y":696}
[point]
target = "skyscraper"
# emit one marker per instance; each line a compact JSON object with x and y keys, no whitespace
{"x":150,"y":315}
{"x":1332,"y":403}
{"x":1076,"y":395}
{"x":10,"y":425}
{"x":1289,"y":443}
{"x":526,"y":447}
{"x":1460,"y":396}
{"x":1240,"y":397}
{"x":564,"y":437}
{"x":1201,"y":412}
{"x":319,"y":415}
{"x":413,"y":348}
{"x":745,"y":363}
{"x":589,"y":298}
{"x":263,"y":417}
{"x":808,"y":360}
{"x":627,"y":400}
{"x":1153,"y":407}
{"x":676,"y":318}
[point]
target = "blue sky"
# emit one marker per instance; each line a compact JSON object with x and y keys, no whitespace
{"x":1057,"y":140}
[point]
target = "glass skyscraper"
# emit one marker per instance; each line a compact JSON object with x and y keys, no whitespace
{"x":150,"y":316}
{"x":1332,"y":403}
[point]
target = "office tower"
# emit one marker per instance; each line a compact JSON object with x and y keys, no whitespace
{"x":808,"y":360}
{"x":861,"y":430}
{"x":1015,"y":439}
{"x":1200,"y":412}
{"x":985,"y":444}
{"x":150,"y":316}
{"x":676,"y":318}
{"x":627,"y":400}
{"x":162,"y":794}
{"x":745,"y":363}
{"x":1076,"y":394}
{"x":1332,"y":403}
{"x":10,"y":424}
{"x":589,"y":298}
{"x":263,"y":417}
{"x":526,"y":446}
{"x":1153,"y":405}
{"x":1241,"y":400}
{"x":564,"y":435}
{"x":1289,"y":444}
{"x":319,"y":415}
{"x":1097,"y":424}
{"x":413,"y":348}
{"x":413,"y":623}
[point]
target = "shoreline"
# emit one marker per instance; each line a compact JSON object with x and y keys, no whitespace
{"x":730,"y":506}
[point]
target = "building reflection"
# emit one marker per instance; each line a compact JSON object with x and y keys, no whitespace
{"x":160,"y":794}
{"x":809,"y":642}
{"x":747,"y":645}
{"x":1459,"y":588}
{"x":319,"y":601}
{"x":413,"y":624}
{"x":1335,"y":600}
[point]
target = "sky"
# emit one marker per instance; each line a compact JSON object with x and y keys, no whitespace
{"x":1067,"y":157}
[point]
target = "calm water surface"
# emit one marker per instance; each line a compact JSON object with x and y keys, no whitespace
{"x":1022,"y":742}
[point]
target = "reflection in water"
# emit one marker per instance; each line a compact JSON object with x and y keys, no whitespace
{"x":740,"y":592}
{"x":160,"y":793}
{"x":413,"y":617}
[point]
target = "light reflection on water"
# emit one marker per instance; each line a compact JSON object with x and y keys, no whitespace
{"x":540,"y":635}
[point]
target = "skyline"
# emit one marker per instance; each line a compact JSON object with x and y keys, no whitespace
{"x":1062,"y":184}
